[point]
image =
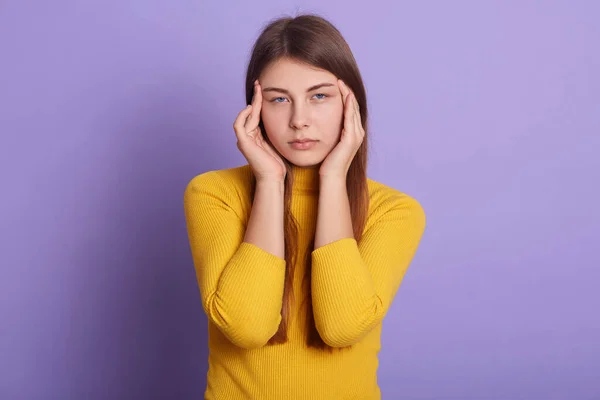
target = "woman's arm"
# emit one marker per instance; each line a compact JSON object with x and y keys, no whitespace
{"x":240,"y":270}
{"x":265,"y":227}
{"x":353,"y":284}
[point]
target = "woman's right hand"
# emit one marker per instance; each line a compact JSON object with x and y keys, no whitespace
{"x":265,"y":162}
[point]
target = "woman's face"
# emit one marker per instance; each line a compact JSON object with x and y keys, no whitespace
{"x":301,"y":102}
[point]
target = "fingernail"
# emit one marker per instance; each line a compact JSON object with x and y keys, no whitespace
{"x":249,"y":105}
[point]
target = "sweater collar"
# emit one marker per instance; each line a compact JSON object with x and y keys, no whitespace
{"x":306,"y":179}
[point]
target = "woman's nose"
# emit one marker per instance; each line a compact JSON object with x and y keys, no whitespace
{"x":300,"y":117}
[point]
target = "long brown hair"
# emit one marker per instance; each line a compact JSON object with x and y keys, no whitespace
{"x":315,"y":41}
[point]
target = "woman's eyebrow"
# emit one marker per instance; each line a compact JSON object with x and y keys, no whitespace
{"x":310,"y":89}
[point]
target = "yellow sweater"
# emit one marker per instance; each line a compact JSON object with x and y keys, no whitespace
{"x":241,"y":286}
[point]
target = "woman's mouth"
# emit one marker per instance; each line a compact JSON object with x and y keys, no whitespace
{"x":303,"y":145}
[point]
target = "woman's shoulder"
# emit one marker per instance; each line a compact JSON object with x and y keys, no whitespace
{"x":383,"y":198}
{"x":228,"y":181}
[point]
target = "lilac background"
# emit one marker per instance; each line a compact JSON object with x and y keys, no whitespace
{"x":488,"y":112}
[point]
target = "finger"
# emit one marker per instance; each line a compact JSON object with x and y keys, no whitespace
{"x":252,"y":122}
{"x":356,"y":119}
{"x":346,"y":88}
{"x":238,"y":124}
{"x":360,"y":129}
{"x":356,"y":103}
{"x":343,"y":90}
{"x":348,"y":114}
{"x":356,"y":116}
{"x":359,"y":126}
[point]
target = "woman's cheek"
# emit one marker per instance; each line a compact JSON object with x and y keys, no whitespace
{"x":274,"y":125}
{"x":273,"y":115}
{"x":268,"y":119}
{"x":334,"y":108}
{"x":329,"y":116}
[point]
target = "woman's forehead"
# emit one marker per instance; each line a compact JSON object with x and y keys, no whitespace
{"x":294,"y":75}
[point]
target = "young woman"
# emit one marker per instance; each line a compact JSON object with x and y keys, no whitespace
{"x":298,"y":254}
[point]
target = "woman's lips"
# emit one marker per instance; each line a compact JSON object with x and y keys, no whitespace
{"x":304,"y":145}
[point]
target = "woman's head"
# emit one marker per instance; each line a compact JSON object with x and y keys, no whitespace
{"x":301,"y":102}
{"x":290,"y":57}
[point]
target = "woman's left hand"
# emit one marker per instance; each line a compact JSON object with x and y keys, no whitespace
{"x":338,"y":161}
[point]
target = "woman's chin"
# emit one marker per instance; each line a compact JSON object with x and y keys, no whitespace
{"x":305,"y":161}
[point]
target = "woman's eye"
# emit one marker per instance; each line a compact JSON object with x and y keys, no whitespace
{"x":321,"y":96}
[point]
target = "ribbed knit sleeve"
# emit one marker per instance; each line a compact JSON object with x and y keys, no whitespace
{"x":241,"y":285}
{"x":353,"y":284}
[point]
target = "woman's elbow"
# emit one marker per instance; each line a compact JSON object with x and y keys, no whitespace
{"x":243,"y":328}
{"x":251,"y":337}
{"x":248,"y":342}
{"x":336,"y":335}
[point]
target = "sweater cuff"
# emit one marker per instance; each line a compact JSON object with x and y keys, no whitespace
{"x":341,"y":251}
{"x":257,"y":269}
{"x":339,"y":267}
{"x":251,"y":254}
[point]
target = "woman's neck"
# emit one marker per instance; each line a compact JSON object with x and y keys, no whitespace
{"x":306,"y":179}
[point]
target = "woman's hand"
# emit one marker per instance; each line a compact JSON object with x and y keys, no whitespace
{"x":265,"y":162}
{"x":339,"y":159}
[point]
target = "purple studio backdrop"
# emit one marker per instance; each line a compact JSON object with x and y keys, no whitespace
{"x":488,"y":112}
